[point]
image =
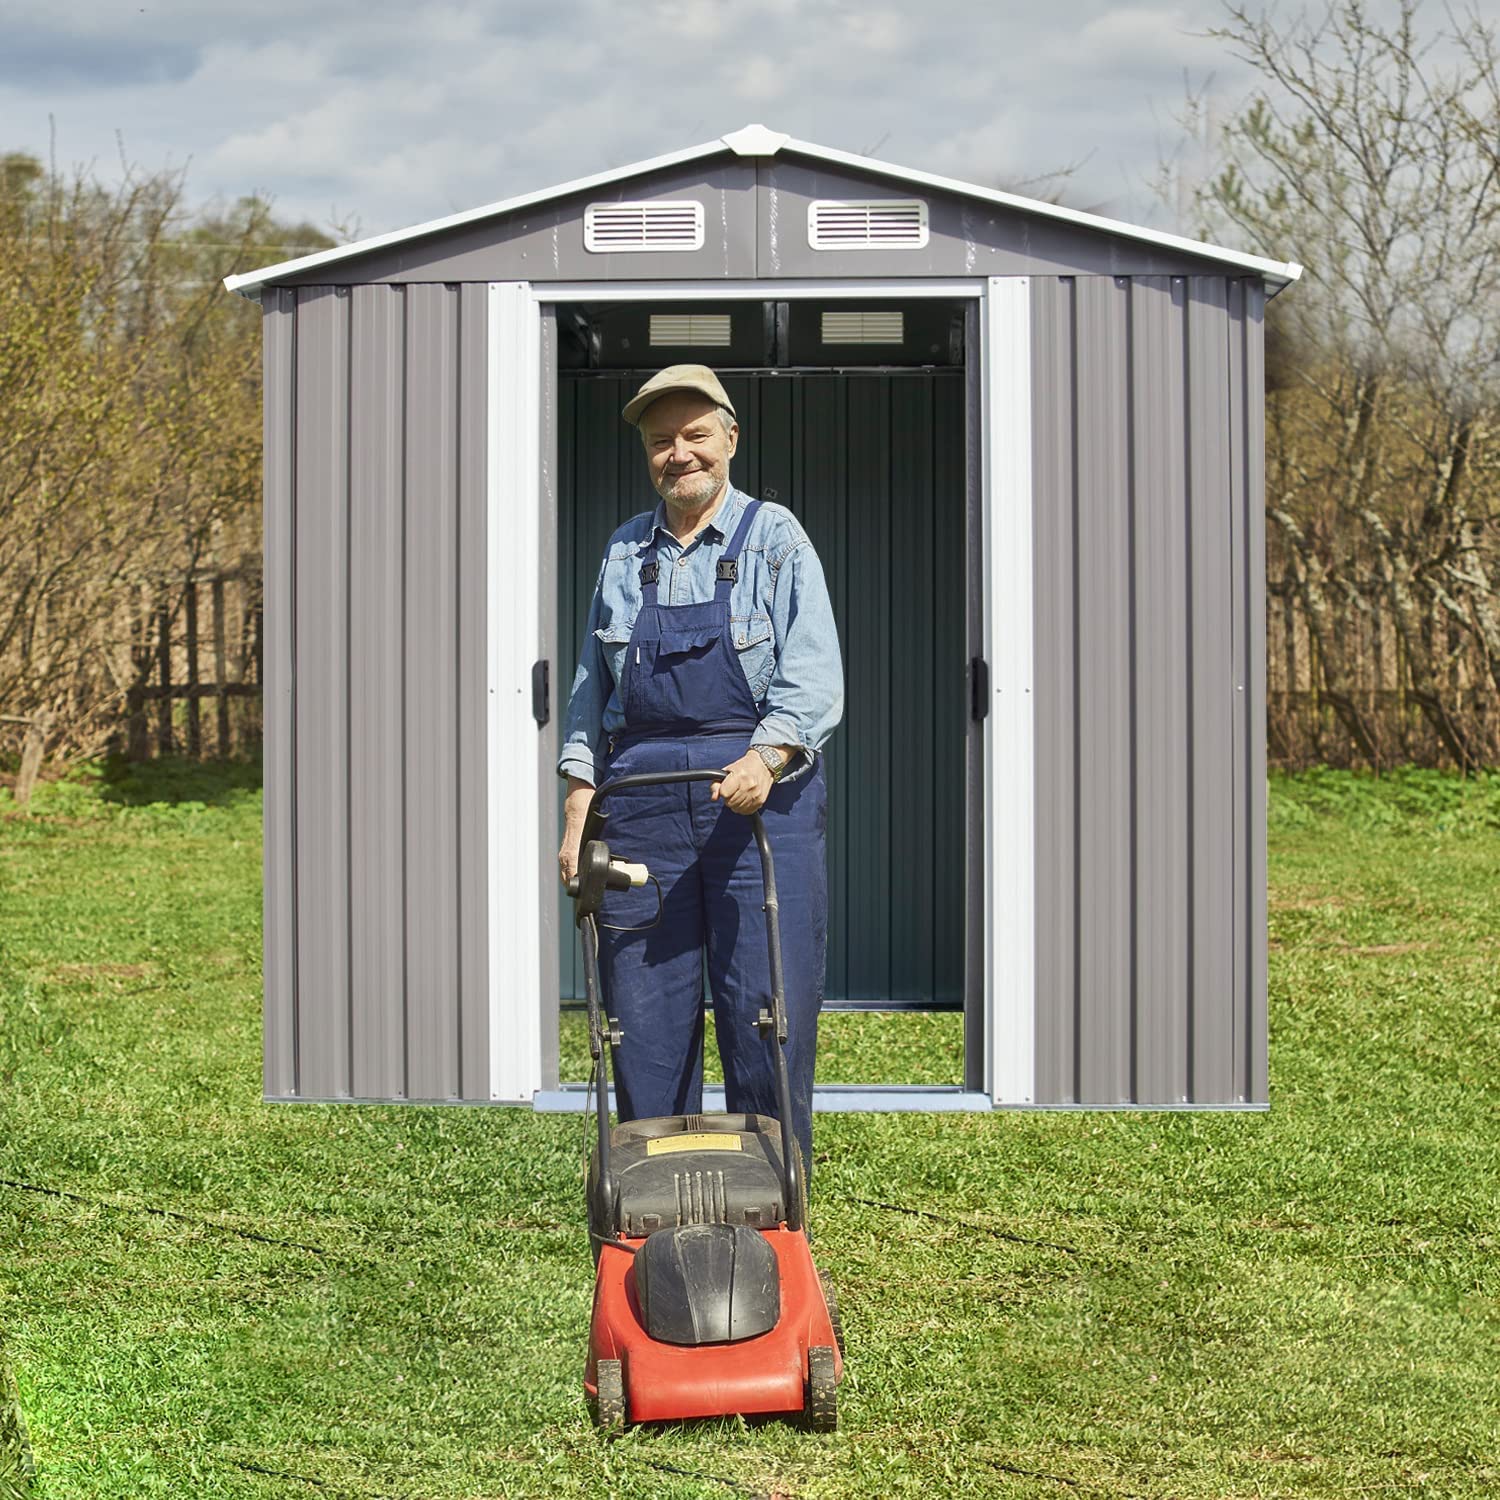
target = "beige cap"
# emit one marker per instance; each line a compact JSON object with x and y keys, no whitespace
{"x":678,"y":378}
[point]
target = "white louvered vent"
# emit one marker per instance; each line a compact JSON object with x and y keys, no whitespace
{"x":878,"y":224}
{"x":863,"y":327}
{"x":705,"y":330}
{"x":613,"y":228}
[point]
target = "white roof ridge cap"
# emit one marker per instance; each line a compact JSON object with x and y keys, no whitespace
{"x":755,"y":140}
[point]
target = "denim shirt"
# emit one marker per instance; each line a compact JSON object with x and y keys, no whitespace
{"x":779,"y":612}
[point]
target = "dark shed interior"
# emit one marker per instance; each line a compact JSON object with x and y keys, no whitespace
{"x":853,"y":416}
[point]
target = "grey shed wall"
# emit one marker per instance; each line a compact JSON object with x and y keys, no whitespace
{"x":1148,"y":630}
{"x":1149,"y":620}
{"x":375,"y":923}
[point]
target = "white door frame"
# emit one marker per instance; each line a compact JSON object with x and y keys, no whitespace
{"x":514,"y":478}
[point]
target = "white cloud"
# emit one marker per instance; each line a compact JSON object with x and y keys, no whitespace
{"x":761,"y":81}
{"x":399,"y":115}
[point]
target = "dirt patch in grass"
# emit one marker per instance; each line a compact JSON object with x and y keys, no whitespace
{"x":1375,"y":950}
{"x":101,"y":971}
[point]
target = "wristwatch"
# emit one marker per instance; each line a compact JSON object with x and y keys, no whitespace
{"x":772,"y":757}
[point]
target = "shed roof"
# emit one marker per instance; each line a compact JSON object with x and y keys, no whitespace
{"x":759,"y":141}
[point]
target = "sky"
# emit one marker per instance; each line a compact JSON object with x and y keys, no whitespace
{"x":376,"y":115}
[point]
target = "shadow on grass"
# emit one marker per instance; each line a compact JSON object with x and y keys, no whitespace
{"x":16,"y":1467}
{"x":214,"y":783}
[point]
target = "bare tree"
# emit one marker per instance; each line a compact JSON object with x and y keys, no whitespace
{"x":1370,"y":151}
{"x":131,"y":448}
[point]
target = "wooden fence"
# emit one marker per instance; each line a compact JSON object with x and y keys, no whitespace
{"x":193,"y":681}
{"x":196,"y":655}
{"x":1381,"y":719}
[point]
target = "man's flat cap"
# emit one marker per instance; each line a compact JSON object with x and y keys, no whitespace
{"x":678,"y":378}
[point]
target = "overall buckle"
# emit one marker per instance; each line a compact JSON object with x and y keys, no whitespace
{"x":648,"y":572}
{"x":728,"y":570}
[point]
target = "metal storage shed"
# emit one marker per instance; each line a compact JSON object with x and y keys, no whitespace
{"x":1052,"y":448}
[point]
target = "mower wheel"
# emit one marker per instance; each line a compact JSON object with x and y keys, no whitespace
{"x":822,"y":1410}
{"x":609,"y":1409}
{"x":831,"y":1298}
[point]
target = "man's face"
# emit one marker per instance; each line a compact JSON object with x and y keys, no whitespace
{"x":687,"y":449}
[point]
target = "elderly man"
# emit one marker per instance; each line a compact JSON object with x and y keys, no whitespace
{"x":710,"y":643}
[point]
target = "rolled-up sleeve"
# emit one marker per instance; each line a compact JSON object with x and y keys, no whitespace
{"x":805,"y":700}
{"x":592,"y":686}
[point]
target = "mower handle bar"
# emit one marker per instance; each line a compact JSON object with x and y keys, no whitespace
{"x":594,"y":820}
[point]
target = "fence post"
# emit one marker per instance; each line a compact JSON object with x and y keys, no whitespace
{"x":216,"y":601}
{"x":32,"y":749}
{"x":164,"y":740}
{"x":136,"y":746}
{"x":194,"y":731}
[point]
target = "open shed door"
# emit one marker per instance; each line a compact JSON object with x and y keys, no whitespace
{"x":1010,"y":840}
{"x":516,"y":873}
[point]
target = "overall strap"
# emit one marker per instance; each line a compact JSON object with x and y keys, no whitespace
{"x":728,"y":570}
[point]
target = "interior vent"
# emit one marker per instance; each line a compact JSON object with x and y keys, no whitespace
{"x":879,"y":224}
{"x":863,"y":327}
{"x":613,"y":228}
{"x":705,"y":330}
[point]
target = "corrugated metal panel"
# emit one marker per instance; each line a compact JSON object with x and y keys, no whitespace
{"x":1211,"y":695}
{"x":321,"y":667}
{"x":1158,"y":363}
{"x":1104,"y":756}
{"x":1247,"y":438}
{"x":1150,"y":782}
{"x":278,"y":316}
{"x":858,"y":460}
{"x":430,"y":637}
{"x":377,"y":844}
{"x":376,"y":938}
{"x":472,"y":810}
{"x":1055,"y":601}
{"x":1257,"y":1078}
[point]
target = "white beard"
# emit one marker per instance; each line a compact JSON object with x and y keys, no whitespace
{"x":693,"y":488}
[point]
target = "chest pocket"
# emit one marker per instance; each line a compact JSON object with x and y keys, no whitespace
{"x":614,"y":642}
{"x":696,"y":641}
{"x":755,"y":648}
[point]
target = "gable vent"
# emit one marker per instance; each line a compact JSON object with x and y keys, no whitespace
{"x":863,"y":327}
{"x":881,"y":224}
{"x":612,"y":228}
{"x":684,"y":329}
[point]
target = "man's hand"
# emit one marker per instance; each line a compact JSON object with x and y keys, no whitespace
{"x":575,"y":810}
{"x":746,"y":785}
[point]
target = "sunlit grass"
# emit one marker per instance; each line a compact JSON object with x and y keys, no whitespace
{"x":205,"y":1295}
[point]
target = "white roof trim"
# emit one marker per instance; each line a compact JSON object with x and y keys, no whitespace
{"x":248,"y":283}
{"x":758,"y":140}
{"x":1275,"y":270}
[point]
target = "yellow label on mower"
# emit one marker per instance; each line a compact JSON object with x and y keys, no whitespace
{"x":701,"y":1141}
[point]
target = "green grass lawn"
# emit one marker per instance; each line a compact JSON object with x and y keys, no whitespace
{"x":203,"y":1295}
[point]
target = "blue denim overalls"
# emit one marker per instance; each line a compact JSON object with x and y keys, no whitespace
{"x":688,"y":705}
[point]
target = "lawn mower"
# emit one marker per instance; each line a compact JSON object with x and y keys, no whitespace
{"x":706,"y":1299}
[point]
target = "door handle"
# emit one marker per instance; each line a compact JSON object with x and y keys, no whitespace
{"x":541,"y":691}
{"x":979,"y":688}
